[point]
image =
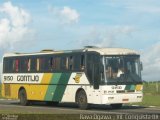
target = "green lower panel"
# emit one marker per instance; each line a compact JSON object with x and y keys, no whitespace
{"x":59,"y":92}
{"x":61,"y":87}
{"x":50,"y":92}
{"x":55,"y":92}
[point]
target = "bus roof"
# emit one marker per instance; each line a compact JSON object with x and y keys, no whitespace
{"x":101,"y":51}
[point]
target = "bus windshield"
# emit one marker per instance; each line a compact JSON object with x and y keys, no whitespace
{"x":122,"y":69}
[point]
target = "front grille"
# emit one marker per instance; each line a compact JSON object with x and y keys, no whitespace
{"x":130,"y":90}
{"x":125,"y":91}
{"x":120,"y":91}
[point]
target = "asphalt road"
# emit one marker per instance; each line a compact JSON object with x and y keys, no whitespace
{"x":70,"y":108}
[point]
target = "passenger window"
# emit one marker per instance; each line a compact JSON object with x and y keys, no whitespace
{"x":71,"y":63}
{"x":82,"y":62}
{"x":16,"y":65}
{"x":51,"y":63}
{"x":38,"y":64}
{"x":8,"y":65}
{"x":57,"y":63}
{"x":28,"y":64}
{"x":64,"y":63}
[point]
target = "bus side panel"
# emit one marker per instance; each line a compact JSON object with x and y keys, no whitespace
{"x":2,"y":90}
{"x":76,"y":81}
{"x":9,"y":91}
{"x":80,"y":81}
{"x":34,"y":91}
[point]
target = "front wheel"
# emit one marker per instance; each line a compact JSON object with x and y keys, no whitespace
{"x":81,"y":99}
{"x":116,"y":106}
{"x":23,"y":97}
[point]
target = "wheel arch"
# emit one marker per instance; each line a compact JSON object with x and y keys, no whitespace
{"x":79,"y":89}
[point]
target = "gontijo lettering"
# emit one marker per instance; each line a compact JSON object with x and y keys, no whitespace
{"x":28,"y":78}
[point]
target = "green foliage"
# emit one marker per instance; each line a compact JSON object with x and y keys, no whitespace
{"x":151,"y":88}
{"x":150,"y":100}
{"x":151,"y":94}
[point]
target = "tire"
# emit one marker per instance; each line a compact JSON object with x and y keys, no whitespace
{"x":81,"y":99}
{"x":116,"y":106}
{"x":23,"y":97}
{"x":51,"y":103}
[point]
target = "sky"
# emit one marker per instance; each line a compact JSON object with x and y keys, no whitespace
{"x":34,"y":25}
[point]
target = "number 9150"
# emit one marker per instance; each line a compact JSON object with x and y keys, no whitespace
{"x":8,"y":78}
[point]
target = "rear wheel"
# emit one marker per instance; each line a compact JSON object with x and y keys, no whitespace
{"x":116,"y":106}
{"x":23,"y":97}
{"x":81,"y":99}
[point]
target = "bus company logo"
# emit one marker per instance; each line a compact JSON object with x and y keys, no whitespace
{"x":28,"y":78}
{"x":116,"y":87}
{"x":77,"y":77}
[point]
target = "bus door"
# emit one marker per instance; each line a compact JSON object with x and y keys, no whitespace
{"x":92,"y":70}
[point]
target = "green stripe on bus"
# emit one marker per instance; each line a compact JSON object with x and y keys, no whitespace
{"x":51,"y":88}
{"x":130,"y":87}
{"x":50,"y":91}
{"x":55,"y":92}
{"x":58,"y":94}
{"x":55,"y":78}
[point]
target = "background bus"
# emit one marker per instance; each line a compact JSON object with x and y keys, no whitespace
{"x":87,"y":76}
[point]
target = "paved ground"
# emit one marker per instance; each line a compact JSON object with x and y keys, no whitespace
{"x":63,"y":108}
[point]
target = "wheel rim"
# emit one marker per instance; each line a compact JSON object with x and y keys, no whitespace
{"x":22,"y":97}
{"x":82,"y":99}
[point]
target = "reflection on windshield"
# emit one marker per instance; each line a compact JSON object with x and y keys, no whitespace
{"x":122,"y":69}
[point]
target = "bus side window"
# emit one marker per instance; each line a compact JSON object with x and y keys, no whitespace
{"x":22,"y":65}
{"x":7,"y":63}
{"x":33,"y":65}
{"x":41,"y":64}
{"x":37,"y":67}
{"x":57,"y":63}
{"x":71,"y":63}
{"x":16,"y":65}
{"x":5,"y":66}
{"x":78,"y":63}
{"x":67,"y":61}
{"x":28,"y":64}
{"x":51,"y":64}
{"x":82,"y":62}
{"x":64,"y":63}
{"x":46,"y":64}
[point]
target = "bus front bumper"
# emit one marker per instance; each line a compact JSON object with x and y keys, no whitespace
{"x":121,"y":98}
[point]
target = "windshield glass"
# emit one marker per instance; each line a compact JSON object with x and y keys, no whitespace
{"x":122,"y":69}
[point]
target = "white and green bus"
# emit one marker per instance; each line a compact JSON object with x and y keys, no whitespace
{"x":86,"y":76}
